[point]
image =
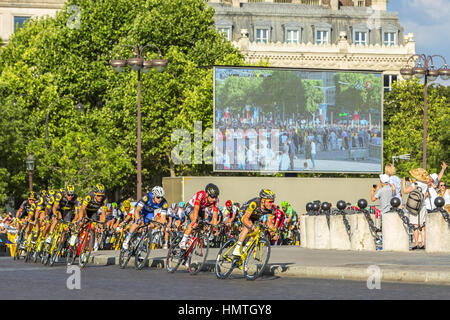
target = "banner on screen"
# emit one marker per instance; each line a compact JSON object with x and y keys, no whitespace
{"x":296,"y":120}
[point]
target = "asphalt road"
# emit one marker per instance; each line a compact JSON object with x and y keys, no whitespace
{"x":97,"y":282}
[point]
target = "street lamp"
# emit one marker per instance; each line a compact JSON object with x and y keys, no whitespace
{"x":424,"y":69}
{"x":29,"y":161}
{"x":139,"y":64}
{"x":79,"y":107}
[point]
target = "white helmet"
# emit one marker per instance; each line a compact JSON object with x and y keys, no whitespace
{"x":158,"y":191}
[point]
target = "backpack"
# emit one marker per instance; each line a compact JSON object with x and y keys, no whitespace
{"x":414,"y":201}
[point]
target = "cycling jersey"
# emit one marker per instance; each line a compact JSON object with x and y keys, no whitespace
{"x":177,"y":214}
{"x":280,"y":217}
{"x":149,"y":208}
{"x":228,"y":214}
{"x":206,"y":208}
{"x":27,"y":209}
{"x":290,"y":213}
{"x":92,"y":206}
{"x":66,"y":206}
{"x":254,"y":207}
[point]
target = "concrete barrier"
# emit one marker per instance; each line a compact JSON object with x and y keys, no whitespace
{"x":339,"y":238}
{"x":310,"y":231}
{"x":321,"y":233}
{"x":437,"y":233}
{"x":362,"y":239}
{"x":395,"y":233}
{"x":303,"y":237}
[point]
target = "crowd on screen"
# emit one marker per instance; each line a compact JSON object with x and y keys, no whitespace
{"x":248,"y":143}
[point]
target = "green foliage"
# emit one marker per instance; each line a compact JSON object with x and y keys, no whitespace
{"x":53,"y":57}
{"x":403,"y":130}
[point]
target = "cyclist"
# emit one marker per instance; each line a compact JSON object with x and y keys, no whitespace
{"x":291,"y":215}
{"x":254,"y":210}
{"x":63,"y":207}
{"x":229,"y":213}
{"x":200,"y":205}
{"x":124,"y":215}
{"x":47,"y":204}
{"x":26,"y":210}
{"x":145,"y":210}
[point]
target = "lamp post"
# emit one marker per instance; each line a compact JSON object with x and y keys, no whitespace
{"x":79,"y":107}
{"x":424,"y":69}
{"x":139,"y":64}
{"x":29,"y":161}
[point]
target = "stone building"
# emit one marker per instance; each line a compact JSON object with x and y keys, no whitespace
{"x":317,"y":34}
{"x":13,"y":13}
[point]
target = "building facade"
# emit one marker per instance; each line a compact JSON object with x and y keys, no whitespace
{"x":13,"y":14}
{"x":317,"y":34}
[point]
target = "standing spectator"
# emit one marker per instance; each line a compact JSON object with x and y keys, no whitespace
{"x":394,"y":181}
{"x":383,"y":192}
{"x":424,"y":182}
{"x":313,"y":154}
{"x":444,"y":192}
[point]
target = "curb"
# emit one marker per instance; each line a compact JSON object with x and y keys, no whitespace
{"x":389,"y":273}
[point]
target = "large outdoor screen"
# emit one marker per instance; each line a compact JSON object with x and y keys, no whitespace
{"x":296,"y":120}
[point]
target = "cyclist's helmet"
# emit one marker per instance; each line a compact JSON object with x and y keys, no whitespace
{"x":173,"y":205}
{"x":126,"y":204}
{"x":284,"y":204}
{"x":181,"y":204}
{"x":267,"y":194}
{"x":70,"y":190}
{"x":229,"y":203}
{"x":32,"y":195}
{"x":158,"y":191}
{"x":43,"y":193}
{"x":114,"y":205}
{"x":212,"y":190}
{"x":99,"y":189}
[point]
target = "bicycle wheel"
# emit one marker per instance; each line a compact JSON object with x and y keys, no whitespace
{"x":198,"y":254}
{"x":225,"y":260}
{"x":174,"y":255}
{"x":125,"y":254}
{"x":57,"y":251}
{"x":86,"y":248}
{"x":143,"y":248}
{"x":256,"y":259}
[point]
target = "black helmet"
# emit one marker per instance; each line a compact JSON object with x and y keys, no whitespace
{"x":212,"y":190}
{"x":309,"y":206}
{"x":267,"y":194}
{"x":326,"y":206}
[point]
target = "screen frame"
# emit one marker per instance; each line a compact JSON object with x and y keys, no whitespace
{"x":270,"y":172}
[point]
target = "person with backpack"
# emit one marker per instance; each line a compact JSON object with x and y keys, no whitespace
{"x":418,"y":192}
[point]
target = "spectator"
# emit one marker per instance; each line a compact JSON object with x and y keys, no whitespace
{"x":394,"y":181}
{"x":313,"y":154}
{"x":424,"y":182}
{"x":383,"y":192}
{"x":444,"y":192}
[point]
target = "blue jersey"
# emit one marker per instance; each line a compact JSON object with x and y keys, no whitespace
{"x":149,"y":207}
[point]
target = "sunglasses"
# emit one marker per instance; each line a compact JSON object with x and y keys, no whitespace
{"x":270,"y":201}
{"x":442,"y":185}
{"x":158,"y":197}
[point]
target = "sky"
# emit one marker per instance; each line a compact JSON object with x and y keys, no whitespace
{"x":429,"y":20}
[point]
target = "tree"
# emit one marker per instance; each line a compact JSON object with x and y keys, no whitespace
{"x":52,"y":57}
{"x":403,"y":126}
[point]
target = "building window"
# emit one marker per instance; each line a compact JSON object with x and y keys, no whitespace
{"x":226,"y":32}
{"x":389,"y":79}
{"x":292,"y":36}
{"x":262,"y":35}
{"x":390,"y":39}
{"x":361,"y":3}
{"x":311,"y":2}
{"x":322,"y":37}
{"x":19,"y":21}
{"x":360,"y":38}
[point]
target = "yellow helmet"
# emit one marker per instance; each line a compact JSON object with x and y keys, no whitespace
{"x":126,"y":204}
{"x":99,"y":189}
